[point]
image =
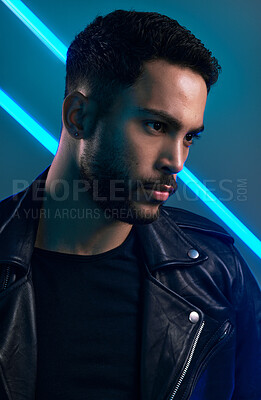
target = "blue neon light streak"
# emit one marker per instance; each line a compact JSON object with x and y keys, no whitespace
{"x":221,"y":211}
{"x":44,"y":137}
{"x":37,"y":27}
{"x":60,"y":50}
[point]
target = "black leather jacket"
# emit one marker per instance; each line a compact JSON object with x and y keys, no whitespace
{"x":201,"y":310}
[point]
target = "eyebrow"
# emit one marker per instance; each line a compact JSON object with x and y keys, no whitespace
{"x":177,"y":125}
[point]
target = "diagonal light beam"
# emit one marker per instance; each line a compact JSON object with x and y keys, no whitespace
{"x":60,"y":50}
{"x":37,"y":27}
{"x":33,"y":127}
{"x":221,"y":211}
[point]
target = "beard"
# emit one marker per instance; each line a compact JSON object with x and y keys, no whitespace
{"x":108,"y":177}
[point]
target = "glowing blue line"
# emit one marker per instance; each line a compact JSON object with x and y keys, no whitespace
{"x":60,"y":50}
{"x":37,"y":27}
{"x":44,"y":137}
{"x":221,"y":211}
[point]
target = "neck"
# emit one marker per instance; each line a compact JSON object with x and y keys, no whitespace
{"x":72,"y":222}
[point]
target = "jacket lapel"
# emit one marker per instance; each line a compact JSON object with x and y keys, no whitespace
{"x":163,"y":244}
{"x":167,"y":333}
{"x":167,"y":337}
{"x":19,"y":223}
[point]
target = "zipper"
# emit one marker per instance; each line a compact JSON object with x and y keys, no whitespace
{"x":182,"y":376}
{"x":227,"y":331}
{"x":7,"y":271}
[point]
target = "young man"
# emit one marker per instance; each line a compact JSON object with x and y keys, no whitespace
{"x":105,"y":293}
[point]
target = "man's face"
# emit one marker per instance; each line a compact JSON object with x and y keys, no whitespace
{"x":133,"y":157}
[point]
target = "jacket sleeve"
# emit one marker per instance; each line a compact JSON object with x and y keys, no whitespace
{"x":248,"y":330}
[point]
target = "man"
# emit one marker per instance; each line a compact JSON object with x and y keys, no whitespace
{"x":105,"y":293}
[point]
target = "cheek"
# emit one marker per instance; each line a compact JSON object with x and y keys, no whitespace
{"x":136,"y":157}
{"x":139,"y":150}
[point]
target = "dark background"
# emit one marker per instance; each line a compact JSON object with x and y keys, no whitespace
{"x":227,"y":158}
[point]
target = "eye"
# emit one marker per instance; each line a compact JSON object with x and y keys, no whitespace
{"x":156,"y":126}
{"x":191,"y":136}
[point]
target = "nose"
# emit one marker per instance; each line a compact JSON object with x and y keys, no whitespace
{"x":172,"y":157}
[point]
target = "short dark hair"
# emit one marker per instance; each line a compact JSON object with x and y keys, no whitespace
{"x":109,"y":53}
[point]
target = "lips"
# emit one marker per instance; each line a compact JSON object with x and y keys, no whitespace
{"x":165,"y":188}
{"x":160,"y":196}
{"x":161,"y":188}
{"x":159,"y":192}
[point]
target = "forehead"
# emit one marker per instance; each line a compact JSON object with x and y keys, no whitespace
{"x":177,"y":90}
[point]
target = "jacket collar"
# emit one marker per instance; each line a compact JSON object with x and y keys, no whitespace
{"x":19,"y":223}
{"x":162,"y":242}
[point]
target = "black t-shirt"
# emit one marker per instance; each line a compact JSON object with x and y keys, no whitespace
{"x":88,"y":324}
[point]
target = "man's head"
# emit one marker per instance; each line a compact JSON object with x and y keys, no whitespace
{"x":136,"y":87}
{"x":110,"y":52}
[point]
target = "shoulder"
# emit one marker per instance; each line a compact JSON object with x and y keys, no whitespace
{"x":223,"y":259}
{"x":12,"y":199}
{"x":27,"y":197}
{"x":9,"y":206}
{"x":216,"y":243}
{"x":195,"y":225}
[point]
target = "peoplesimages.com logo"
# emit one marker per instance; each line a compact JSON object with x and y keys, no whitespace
{"x":60,"y":190}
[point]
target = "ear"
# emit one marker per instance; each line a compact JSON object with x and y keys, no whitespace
{"x":78,"y":110}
